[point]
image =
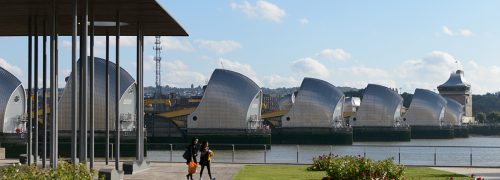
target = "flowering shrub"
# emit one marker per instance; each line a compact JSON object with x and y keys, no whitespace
{"x":357,"y":167}
{"x":64,"y":171}
{"x":321,"y":163}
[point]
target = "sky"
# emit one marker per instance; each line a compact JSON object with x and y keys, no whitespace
{"x":399,"y":44}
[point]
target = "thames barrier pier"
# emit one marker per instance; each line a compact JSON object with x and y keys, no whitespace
{"x":314,"y":116}
{"x":379,"y":116}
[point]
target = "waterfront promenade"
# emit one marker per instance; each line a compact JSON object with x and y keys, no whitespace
{"x":164,"y":170}
{"x":223,"y":171}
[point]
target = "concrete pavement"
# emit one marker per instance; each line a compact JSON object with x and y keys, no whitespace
{"x":486,"y":173}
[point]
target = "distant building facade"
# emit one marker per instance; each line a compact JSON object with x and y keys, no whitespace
{"x":458,"y":89}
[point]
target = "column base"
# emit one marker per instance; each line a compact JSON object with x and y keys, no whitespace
{"x":110,"y":174}
{"x":133,"y":167}
{"x":2,"y":153}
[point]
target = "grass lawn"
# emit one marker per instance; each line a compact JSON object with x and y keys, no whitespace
{"x":429,"y":173}
{"x":276,"y":172}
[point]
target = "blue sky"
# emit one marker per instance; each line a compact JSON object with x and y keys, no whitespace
{"x":401,"y":44}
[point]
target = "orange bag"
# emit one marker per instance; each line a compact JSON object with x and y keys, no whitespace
{"x":192,"y":167}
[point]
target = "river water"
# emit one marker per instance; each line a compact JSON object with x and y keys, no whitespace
{"x":415,"y":152}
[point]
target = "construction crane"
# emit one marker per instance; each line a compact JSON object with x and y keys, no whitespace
{"x":157,"y":47}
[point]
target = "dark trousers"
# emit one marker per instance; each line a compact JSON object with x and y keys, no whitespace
{"x":208,"y":168}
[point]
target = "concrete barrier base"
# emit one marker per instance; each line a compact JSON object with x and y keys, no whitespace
{"x":110,"y":174}
{"x":2,"y":153}
{"x":23,"y":158}
{"x":133,"y":167}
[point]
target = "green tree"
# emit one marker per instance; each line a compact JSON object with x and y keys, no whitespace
{"x":493,"y":117}
{"x":481,"y":117}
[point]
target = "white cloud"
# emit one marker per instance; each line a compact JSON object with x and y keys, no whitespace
{"x":360,"y":76}
{"x":427,"y":72}
{"x":277,"y":81}
{"x":460,"y":32}
{"x":261,"y":9}
{"x":465,"y":32}
{"x":244,"y":69}
{"x":311,"y":67}
{"x":171,"y":43}
{"x":220,"y":47}
{"x":304,"y":21}
{"x":178,"y":74}
{"x":447,"y":31}
{"x":339,"y":54}
{"x":16,"y":71}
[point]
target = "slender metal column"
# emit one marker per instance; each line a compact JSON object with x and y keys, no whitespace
{"x":141,"y":102}
{"x":44,"y":94}
{"x":91,"y":97}
{"x":107,"y":98}
{"x":30,"y":102}
{"x":117,"y":94}
{"x":80,"y":89}
{"x":84,"y":84}
{"x":53,"y":87}
{"x":35,"y":109}
{"x":137,"y":92}
{"x":74,"y":87}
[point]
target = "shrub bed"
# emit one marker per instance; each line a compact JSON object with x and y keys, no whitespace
{"x":357,"y":167}
{"x":64,"y":171}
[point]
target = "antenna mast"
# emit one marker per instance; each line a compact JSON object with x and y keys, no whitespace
{"x":157,"y":48}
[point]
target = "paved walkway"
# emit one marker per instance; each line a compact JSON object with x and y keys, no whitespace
{"x":179,"y":171}
{"x":486,"y":173}
{"x":161,"y":171}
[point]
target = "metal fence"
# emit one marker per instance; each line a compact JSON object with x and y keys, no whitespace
{"x":478,"y":156}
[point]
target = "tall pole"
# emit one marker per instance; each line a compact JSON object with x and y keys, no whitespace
{"x":30,"y":68}
{"x":91,"y":108}
{"x":74,"y":86}
{"x":53,"y":87}
{"x":84,"y":84}
{"x":141,"y":102}
{"x":44,"y":94}
{"x":117,"y":94}
{"x":35,"y":140}
{"x":138,"y":109}
{"x":107,"y":98}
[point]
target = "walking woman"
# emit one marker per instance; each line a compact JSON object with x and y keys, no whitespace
{"x":190,"y":156}
{"x":205,"y":159}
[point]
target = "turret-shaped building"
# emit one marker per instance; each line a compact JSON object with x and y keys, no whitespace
{"x":459,"y":89}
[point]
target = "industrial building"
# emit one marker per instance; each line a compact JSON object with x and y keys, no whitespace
{"x":457,"y":88}
{"x":453,"y":116}
{"x":12,"y":113}
{"x":426,"y":116}
{"x":229,"y":111}
{"x":127,"y":106}
{"x":379,"y":116}
{"x":314,"y":116}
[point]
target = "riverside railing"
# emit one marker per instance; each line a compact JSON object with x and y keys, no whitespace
{"x":477,"y":156}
